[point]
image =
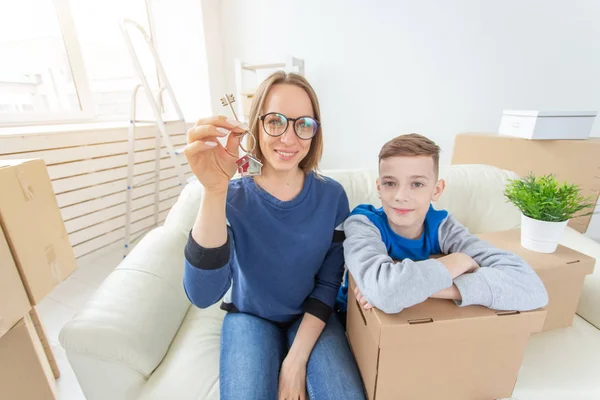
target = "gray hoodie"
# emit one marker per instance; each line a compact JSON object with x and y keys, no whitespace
{"x":504,"y":281}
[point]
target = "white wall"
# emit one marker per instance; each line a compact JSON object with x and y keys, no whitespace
{"x":436,"y":67}
{"x":396,"y":66}
{"x":211,"y":13}
{"x":180,"y":40}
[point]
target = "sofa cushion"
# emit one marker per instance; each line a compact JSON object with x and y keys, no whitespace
{"x":475,"y":196}
{"x":190,"y":369}
{"x":136,"y":312}
{"x":561,"y":364}
{"x":359,"y":185}
{"x":182,"y":215}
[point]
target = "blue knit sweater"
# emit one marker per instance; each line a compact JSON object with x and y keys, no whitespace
{"x":282,"y":258}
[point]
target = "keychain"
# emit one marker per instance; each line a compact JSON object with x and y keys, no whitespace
{"x":248,"y":165}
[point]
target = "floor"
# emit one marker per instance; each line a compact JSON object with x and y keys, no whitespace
{"x":66,"y":299}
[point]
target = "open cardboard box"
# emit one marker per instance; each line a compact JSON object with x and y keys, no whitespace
{"x":562,"y":273}
{"x":437,"y":350}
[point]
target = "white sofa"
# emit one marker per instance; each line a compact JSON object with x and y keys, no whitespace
{"x":139,"y":338}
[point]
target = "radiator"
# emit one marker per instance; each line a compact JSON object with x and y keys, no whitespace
{"x":88,"y":169}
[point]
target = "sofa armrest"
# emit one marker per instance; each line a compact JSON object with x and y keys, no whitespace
{"x":122,"y":334}
{"x":182,"y":215}
{"x":589,"y":302}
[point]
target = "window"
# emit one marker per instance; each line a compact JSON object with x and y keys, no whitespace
{"x":104,"y":52}
{"x":35,"y":74}
{"x":66,"y":60}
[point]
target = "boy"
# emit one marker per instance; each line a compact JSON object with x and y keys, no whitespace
{"x":409,"y":229}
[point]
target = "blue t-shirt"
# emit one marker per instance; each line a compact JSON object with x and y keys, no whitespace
{"x":284,"y":256}
{"x":398,"y":247}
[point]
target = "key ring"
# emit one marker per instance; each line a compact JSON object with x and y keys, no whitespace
{"x":253,"y":143}
{"x":241,"y":146}
{"x":248,"y":165}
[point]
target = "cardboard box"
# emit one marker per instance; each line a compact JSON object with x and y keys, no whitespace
{"x":33,"y":226}
{"x":576,"y":161}
{"x":562,"y":272}
{"x":547,"y":125}
{"x":14,"y":303}
{"x":24,"y":369}
{"x":437,"y":350}
{"x":41,"y":333}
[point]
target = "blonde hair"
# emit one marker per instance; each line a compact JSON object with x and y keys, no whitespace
{"x":412,"y":144}
{"x":311,"y":161}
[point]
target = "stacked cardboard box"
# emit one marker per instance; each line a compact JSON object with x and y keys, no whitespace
{"x":574,"y":161}
{"x":14,"y":303}
{"x":33,"y":226}
{"x":562,"y":273}
{"x":25,"y":372}
{"x":35,"y":256}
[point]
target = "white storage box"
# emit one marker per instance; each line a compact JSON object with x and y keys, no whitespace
{"x":547,"y":125}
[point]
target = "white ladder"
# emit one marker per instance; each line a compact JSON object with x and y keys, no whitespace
{"x":161,"y":134}
{"x":292,"y":64}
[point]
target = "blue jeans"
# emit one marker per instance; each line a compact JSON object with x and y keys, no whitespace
{"x":252,"y":350}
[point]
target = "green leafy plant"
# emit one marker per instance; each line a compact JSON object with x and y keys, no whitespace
{"x":545,"y":199}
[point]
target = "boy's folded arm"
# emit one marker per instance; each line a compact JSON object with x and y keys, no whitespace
{"x":504,"y":281}
{"x":388,"y":285}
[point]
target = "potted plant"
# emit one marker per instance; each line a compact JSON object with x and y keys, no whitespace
{"x":546,"y":207}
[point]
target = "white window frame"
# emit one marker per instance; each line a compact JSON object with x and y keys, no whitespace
{"x":80,"y":79}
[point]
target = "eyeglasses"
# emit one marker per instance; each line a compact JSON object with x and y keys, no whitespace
{"x":276,"y":124}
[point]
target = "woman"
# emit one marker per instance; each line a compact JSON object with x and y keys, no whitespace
{"x":272,"y":238}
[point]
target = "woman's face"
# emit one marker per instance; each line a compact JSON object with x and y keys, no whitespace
{"x":285,"y":152}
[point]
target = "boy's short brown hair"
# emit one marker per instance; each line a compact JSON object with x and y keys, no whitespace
{"x":409,"y":145}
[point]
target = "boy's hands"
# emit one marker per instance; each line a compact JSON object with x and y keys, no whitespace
{"x":361,"y":300}
{"x":458,"y":264}
{"x":451,"y":293}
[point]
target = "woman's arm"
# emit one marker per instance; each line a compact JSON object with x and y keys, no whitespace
{"x":317,"y":310}
{"x":208,"y":253}
{"x":210,"y":227}
{"x":292,"y":378}
{"x":328,"y":279}
{"x":308,"y":332}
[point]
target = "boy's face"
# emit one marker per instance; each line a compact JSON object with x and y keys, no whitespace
{"x":407,"y":185}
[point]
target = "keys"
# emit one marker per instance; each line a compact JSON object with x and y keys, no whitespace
{"x":248,"y":165}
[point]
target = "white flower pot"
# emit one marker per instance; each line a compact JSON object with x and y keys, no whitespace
{"x":541,"y":236}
